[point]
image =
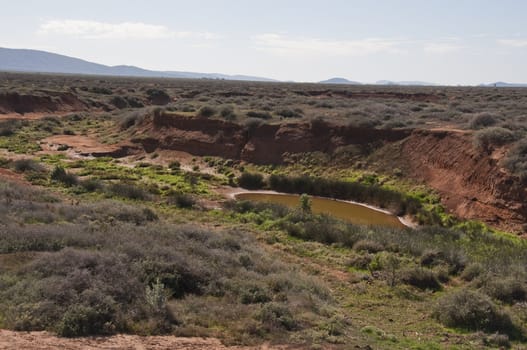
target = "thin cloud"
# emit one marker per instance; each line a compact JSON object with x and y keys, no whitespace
{"x":124,"y":30}
{"x":442,"y":48}
{"x":281,"y":45}
{"x":513,"y":42}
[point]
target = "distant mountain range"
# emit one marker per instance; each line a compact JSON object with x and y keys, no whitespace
{"x":503,"y":84}
{"x":343,"y":81}
{"x":404,"y":83}
{"x":23,"y":60}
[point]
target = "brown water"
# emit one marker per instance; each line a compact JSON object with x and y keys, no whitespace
{"x":354,"y":213}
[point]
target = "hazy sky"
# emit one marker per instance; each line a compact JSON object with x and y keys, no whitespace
{"x":443,"y":41}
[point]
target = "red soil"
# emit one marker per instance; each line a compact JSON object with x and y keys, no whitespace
{"x":45,"y":102}
{"x":471,"y":182}
{"x":10,"y":340}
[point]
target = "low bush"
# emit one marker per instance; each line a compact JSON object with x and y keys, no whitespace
{"x":368,"y":246}
{"x":421,"y":278}
{"x":501,"y":341}
{"x":206,"y":112}
{"x":157,"y":96}
{"x":472,"y":272}
{"x":289,"y":113}
{"x":174,"y":165}
{"x":128,"y":190}
{"x":131,"y":118}
{"x":251,"y":181}
{"x":516,"y":160}
{"x":60,"y":175}
{"x":494,"y":136}
{"x":119,"y":102}
{"x":508,"y":289}
{"x":228,"y":113}
{"x":274,"y":315}
{"x":181,"y":200}
{"x":482,"y":120}
{"x":473,"y":311}
{"x":255,"y":295}
{"x":91,"y":185}
{"x":26,"y":165}
{"x":9,"y":127}
{"x":259,"y":115}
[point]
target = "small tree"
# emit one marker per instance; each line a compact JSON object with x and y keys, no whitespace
{"x":305,"y":203}
{"x":156,"y":297}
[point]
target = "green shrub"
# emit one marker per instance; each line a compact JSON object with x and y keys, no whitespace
{"x":472,"y":272}
{"x":360,"y":261}
{"x":128,"y":190}
{"x":274,"y":315}
{"x":91,"y":185}
{"x":259,"y":115}
{"x":81,"y":320}
{"x":508,"y":289}
{"x":26,"y":165}
{"x":251,"y":181}
{"x":516,"y":160}
{"x":228,"y":113}
{"x":100,"y":90}
{"x":368,"y":246}
{"x":9,"y":127}
{"x":130,"y":119}
{"x":119,"y":102}
{"x":473,"y":311}
{"x":482,"y":120}
{"x":134,"y":102}
{"x":206,"y":112}
{"x":421,"y":278}
{"x":494,"y":136}
{"x":255,"y":295}
{"x":181,"y":200}
{"x":498,"y":340}
{"x":174,"y":165}
{"x":157,"y":96}
{"x":289,"y":113}
{"x":60,"y":175}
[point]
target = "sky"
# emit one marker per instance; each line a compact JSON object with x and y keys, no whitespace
{"x":441,"y":41}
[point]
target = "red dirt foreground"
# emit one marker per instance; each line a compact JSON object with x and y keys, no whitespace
{"x":10,"y":340}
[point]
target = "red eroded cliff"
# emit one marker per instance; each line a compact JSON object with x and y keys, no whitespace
{"x":471,"y":182}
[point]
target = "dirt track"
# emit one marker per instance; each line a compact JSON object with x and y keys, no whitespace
{"x":45,"y":341}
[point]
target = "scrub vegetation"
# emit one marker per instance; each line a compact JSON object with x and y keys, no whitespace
{"x":147,"y":243}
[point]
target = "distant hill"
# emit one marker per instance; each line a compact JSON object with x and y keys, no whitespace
{"x":503,"y":84}
{"x":24,"y":60}
{"x":339,"y":81}
{"x":404,"y":83}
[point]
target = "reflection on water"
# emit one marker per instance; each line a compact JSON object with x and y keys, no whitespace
{"x":355,"y":213}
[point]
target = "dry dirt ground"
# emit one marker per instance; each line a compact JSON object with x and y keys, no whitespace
{"x":10,"y":340}
{"x":31,"y":116}
{"x":80,"y":144}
